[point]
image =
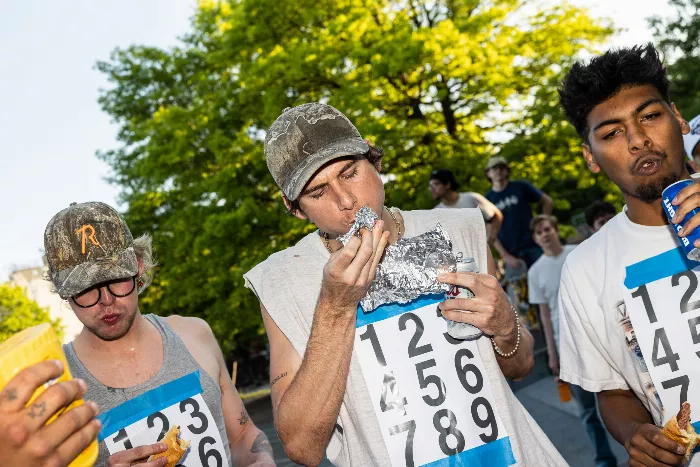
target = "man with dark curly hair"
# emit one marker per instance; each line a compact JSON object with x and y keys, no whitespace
{"x":598,"y":214}
{"x":620,"y":292}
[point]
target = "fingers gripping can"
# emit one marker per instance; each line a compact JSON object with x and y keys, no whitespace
{"x":457,"y":330}
{"x":666,"y":201}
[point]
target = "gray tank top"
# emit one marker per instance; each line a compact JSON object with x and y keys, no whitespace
{"x":177,"y":362}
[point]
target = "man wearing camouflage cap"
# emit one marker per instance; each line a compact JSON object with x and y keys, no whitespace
{"x":146,"y":373}
{"x":324,"y":353}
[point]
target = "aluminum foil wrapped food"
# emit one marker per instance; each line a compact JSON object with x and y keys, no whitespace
{"x":364,"y":219}
{"x":410,"y":268}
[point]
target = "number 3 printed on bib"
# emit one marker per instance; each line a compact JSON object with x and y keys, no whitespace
{"x":147,"y":418}
{"x":665,"y":315}
{"x":429,"y":391}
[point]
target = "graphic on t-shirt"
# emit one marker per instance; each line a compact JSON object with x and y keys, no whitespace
{"x":663,"y":306}
{"x":636,"y":351}
{"x":429,"y":392}
{"x":507,"y":202}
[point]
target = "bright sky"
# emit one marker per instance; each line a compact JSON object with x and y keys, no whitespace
{"x":50,"y":122}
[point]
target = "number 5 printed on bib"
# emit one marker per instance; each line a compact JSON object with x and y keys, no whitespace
{"x":663,"y":303}
{"x":429,"y":392}
{"x":147,"y":418}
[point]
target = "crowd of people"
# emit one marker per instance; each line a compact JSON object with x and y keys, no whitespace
{"x":391,"y":386}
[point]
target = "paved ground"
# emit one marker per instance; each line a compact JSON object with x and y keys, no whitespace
{"x":538,"y":394}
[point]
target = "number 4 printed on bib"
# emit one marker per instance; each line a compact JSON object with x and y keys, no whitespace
{"x":663,"y":304}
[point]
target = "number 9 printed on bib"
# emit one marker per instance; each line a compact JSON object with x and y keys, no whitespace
{"x":429,"y":392}
{"x":663,"y":303}
{"x":147,"y":418}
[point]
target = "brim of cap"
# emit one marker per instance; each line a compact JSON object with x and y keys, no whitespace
{"x":689,"y":143}
{"x":301,"y":175}
{"x":69,"y":282}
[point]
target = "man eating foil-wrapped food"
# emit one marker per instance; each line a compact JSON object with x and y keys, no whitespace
{"x":384,"y":383}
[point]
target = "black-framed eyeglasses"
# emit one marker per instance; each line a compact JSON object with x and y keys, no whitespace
{"x":118,"y":288}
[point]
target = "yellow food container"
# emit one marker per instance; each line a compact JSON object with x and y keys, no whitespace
{"x":35,"y":345}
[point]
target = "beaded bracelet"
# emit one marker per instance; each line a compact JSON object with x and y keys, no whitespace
{"x":517,"y":342}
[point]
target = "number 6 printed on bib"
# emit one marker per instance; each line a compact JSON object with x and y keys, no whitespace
{"x":663,"y":303}
{"x":147,"y":418}
{"x":429,"y":392}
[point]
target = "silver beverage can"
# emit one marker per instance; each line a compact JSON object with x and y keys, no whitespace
{"x":463,"y":331}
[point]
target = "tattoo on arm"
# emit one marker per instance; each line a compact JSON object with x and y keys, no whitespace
{"x":37,"y":410}
{"x":11,"y":394}
{"x":243,"y":419}
{"x":277,"y":378}
{"x":261,"y":444}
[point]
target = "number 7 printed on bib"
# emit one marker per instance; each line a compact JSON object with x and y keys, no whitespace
{"x":147,"y":418}
{"x":663,"y":304}
{"x":430,"y":392}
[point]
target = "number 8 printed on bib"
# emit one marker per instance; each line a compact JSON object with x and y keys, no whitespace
{"x":663,"y":303}
{"x":147,"y":418}
{"x":429,"y":392}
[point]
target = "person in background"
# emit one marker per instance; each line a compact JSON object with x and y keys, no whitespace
{"x":543,"y":282}
{"x":444,"y":187}
{"x":691,"y":143}
{"x":26,"y":440}
{"x":514,"y":199}
{"x":598,"y":214}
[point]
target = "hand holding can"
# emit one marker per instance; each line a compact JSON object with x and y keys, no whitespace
{"x":681,"y":201}
{"x":455,"y":329}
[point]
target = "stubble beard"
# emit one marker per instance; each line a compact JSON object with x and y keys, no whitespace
{"x":126,"y":322}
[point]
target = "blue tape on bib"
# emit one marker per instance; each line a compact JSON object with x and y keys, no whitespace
{"x":497,"y":453}
{"x":657,"y":267}
{"x":394,"y":309}
{"x":149,"y":402}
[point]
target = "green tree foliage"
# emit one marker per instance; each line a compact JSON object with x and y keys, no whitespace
{"x":436,"y":83}
{"x":678,"y":36}
{"x":17,"y":312}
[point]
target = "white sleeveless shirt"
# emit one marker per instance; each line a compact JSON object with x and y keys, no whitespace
{"x":288,"y":284}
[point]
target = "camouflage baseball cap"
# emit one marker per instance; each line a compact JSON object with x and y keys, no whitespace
{"x":303,"y":139}
{"x":87,"y":244}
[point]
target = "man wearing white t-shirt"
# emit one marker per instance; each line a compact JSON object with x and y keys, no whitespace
{"x":444,"y":186}
{"x":626,"y":324}
{"x":543,"y":286}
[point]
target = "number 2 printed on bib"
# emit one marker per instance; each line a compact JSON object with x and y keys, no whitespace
{"x":663,"y":305}
{"x":147,"y":418}
{"x":429,"y":391}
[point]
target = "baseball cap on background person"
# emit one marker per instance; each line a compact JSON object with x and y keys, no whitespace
{"x":693,"y":137}
{"x":494,"y":161}
{"x":303,"y":139}
{"x":87,"y":244}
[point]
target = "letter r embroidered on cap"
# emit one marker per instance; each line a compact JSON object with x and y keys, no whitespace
{"x":91,"y":236}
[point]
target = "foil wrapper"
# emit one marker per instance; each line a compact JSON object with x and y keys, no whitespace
{"x":410,"y":268}
{"x":364,"y":219}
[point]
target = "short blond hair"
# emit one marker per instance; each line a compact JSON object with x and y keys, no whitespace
{"x":538,"y":219}
{"x":143,"y":247}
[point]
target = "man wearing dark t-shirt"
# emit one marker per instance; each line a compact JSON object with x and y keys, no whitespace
{"x":514,"y":199}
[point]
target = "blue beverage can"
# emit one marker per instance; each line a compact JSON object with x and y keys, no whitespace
{"x":666,"y":197}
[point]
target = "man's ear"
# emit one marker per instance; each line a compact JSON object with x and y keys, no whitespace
{"x":140,"y":263}
{"x":590,"y":160}
{"x":295,"y":212}
{"x":685,"y":127}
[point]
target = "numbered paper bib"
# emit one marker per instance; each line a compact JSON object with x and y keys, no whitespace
{"x":663,"y":302}
{"x":429,"y":392}
{"x":147,"y":418}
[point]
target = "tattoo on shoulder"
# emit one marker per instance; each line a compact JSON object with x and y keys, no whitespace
{"x":243,"y":419}
{"x":261,"y":444}
{"x":277,"y":378}
{"x":11,"y":394}
{"x":37,"y":410}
